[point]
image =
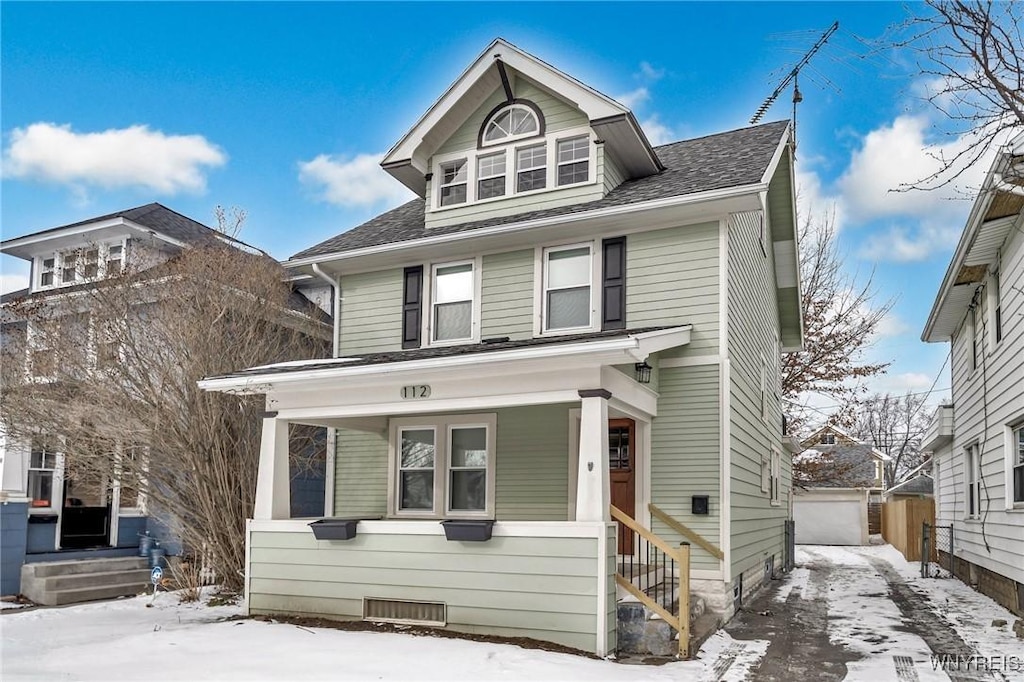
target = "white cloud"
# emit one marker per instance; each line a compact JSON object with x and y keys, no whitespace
{"x":814,"y":201}
{"x":657,"y":132}
{"x":899,"y":155}
{"x":891,"y":325}
{"x":634,"y":98}
{"x":650,"y":73}
{"x":913,"y":382}
{"x":116,"y":158}
{"x":904,"y":245}
{"x":359,"y":181}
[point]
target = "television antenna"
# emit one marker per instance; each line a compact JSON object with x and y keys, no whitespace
{"x":793,"y":77}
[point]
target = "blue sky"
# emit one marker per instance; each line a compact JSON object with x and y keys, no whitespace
{"x":284,"y":109}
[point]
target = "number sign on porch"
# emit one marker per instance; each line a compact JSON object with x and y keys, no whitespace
{"x":415,"y":392}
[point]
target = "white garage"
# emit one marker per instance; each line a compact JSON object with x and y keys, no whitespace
{"x":831,"y":516}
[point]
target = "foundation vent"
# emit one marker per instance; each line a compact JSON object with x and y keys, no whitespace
{"x":400,"y":611}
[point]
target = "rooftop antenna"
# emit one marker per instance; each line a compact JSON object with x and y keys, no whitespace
{"x":793,"y":77}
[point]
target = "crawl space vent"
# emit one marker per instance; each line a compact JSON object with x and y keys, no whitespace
{"x":397,"y":611}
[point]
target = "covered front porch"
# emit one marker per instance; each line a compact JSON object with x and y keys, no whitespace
{"x":514,"y":439}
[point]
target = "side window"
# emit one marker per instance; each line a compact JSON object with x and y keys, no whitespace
{"x":567,"y":296}
{"x":46,"y":271}
{"x":972,"y":478}
{"x":454,"y":175}
{"x":452,"y":293}
{"x":573,"y":160}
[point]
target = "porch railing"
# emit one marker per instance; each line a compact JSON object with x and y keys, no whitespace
{"x":649,"y":573}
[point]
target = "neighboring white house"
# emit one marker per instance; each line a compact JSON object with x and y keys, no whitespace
{"x":567,"y":326}
{"x":59,"y":517}
{"x":978,"y":441}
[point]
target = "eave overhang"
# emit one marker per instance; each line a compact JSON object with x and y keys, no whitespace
{"x":998,"y":209}
{"x":653,"y":214}
{"x":28,"y":246}
{"x":408,"y":161}
{"x":553,"y":357}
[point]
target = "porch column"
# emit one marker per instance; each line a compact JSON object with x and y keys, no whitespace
{"x":593,"y":486}
{"x":273,"y":479}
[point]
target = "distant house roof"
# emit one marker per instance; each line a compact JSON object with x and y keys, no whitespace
{"x":922,"y":484}
{"x":846,"y":465}
{"x":153,"y":216}
{"x":725,"y":160}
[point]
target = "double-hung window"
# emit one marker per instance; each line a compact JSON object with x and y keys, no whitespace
{"x":1017,"y":462}
{"x":997,"y":308}
{"x":454,"y":175}
{"x":973,"y":479}
{"x":115,"y":259}
{"x":69,"y":267}
{"x":775,"y":477}
{"x":91,"y":263}
{"x":46,"y":272}
{"x":490,"y":176}
{"x":444,"y":466}
{"x":573,"y":160}
{"x":41,"y":468}
{"x":453,"y":286}
{"x":531,"y":168}
{"x":568,"y":287}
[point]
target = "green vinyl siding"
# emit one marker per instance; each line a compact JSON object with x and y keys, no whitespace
{"x":558,"y":115}
{"x":532,"y":476}
{"x":371,"y":312}
{"x":757,"y":525}
{"x":360,"y":473}
{"x":685,"y":460}
{"x":613,"y":175}
{"x":545,"y":588}
{"x":531,"y":467}
{"x":672,"y":278}
{"x":506,"y":307}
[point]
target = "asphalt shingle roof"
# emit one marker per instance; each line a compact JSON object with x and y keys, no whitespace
{"x":731,"y":159}
{"x":439,"y":352}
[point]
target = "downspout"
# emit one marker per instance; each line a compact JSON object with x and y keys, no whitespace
{"x":332,"y":434}
{"x":335,"y":284}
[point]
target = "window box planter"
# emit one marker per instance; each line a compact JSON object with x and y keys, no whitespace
{"x":468,"y":530}
{"x":334,"y":529}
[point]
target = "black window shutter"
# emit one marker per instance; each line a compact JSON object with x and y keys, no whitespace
{"x":613,"y":307}
{"x":412,"y":307}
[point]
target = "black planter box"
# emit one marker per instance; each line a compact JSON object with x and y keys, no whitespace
{"x":334,"y":529}
{"x":468,"y":530}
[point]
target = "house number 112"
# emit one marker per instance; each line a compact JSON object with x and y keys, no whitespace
{"x":413,"y":392}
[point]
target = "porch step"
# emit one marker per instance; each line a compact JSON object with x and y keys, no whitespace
{"x":642,"y":631}
{"x":70,"y":582}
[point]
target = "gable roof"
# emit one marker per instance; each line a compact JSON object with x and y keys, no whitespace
{"x":408,"y":160}
{"x":998,"y":208}
{"x":153,"y":217}
{"x":922,"y":484}
{"x":725,"y":160}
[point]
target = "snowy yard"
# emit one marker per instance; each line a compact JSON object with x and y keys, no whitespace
{"x":863,"y":627}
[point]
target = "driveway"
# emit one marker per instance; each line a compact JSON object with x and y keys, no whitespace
{"x":863,"y":613}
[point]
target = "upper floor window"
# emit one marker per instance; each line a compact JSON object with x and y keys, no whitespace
{"x":511,"y":122}
{"x":69,"y":267}
{"x":74,"y":266}
{"x":453,"y":182}
{"x":997,"y":308}
{"x":975,"y":337}
{"x":490,"y":176}
{"x":452,"y":286}
{"x":1017,"y":462}
{"x":573,"y":160}
{"x":827,"y":439}
{"x":531,"y":168}
{"x":46,"y":272}
{"x":567,"y":294}
{"x":115,"y":259}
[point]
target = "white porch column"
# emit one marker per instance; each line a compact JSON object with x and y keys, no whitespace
{"x":593,"y":484}
{"x":273,"y":496}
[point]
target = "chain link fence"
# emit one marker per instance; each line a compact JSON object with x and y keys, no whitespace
{"x":937,"y":552}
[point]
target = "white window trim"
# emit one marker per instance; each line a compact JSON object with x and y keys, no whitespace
{"x":775,"y":479}
{"x":994,"y":294}
{"x":511,"y":138}
{"x":1010,"y":459}
{"x":441,"y":424}
{"x":970,"y":460}
{"x":427,"y":327}
{"x":559,"y":164}
{"x":56,"y":483}
{"x":550,"y":140}
{"x":539,"y":289}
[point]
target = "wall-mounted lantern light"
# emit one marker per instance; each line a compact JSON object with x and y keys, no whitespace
{"x":643,"y":372}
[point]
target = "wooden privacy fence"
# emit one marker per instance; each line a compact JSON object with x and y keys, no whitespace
{"x":902,"y":523}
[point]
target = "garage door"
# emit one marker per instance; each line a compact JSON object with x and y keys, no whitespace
{"x":828,"y":521}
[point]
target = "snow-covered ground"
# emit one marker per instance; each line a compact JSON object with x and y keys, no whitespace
{"x":127,"y":640}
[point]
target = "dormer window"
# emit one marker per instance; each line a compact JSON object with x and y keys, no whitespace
{"x":79,"y":265}
{"x":69,"y":268}
{"x":91,"y":263}
{"x":46,"y":272}
{"x":453,"y":182}
{"x":531,"y":168}
{"x":490,"y":175}
{"x":573,"y":160}
{"x":511,"y":122}
{"x":115,"y":258}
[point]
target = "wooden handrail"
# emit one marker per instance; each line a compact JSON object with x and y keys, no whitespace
{"x":647,"y":601}
{"x":686,"y":532}
{"x":625,"y":519}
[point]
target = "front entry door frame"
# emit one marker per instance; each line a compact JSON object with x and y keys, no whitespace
{"x":641,"y":460}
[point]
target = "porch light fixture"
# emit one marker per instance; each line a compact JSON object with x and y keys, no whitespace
{"x":643,"y":372}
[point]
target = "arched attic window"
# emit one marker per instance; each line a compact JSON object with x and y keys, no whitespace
{"x":515,"y":121}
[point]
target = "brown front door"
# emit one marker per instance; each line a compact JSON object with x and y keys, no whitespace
{"x":622,"y":464}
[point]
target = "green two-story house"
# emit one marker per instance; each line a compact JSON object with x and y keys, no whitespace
{"x":569,"y":341}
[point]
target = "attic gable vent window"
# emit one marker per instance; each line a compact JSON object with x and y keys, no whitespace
{"x":512,"y":122}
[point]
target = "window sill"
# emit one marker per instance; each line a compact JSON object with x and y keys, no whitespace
{"x":569,"y":331}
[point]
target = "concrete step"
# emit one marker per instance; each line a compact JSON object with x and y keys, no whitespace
{"x":52,"y":568}
{"x":84,"y":594}
{"x":108,"y":578}
{"x":70,"y":582}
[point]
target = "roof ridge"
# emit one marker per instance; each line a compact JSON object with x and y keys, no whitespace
{"x":724,"y":132}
